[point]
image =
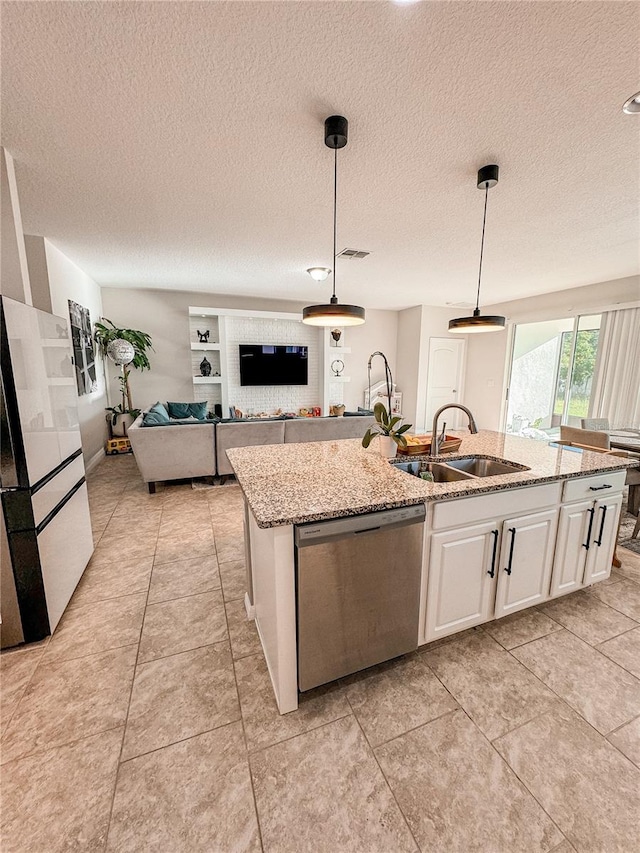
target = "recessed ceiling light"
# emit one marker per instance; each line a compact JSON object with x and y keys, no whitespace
{"x":632,"y":104}
{"x":319,"y":273}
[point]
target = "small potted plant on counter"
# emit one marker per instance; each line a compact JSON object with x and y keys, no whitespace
{"x":390,"y":436}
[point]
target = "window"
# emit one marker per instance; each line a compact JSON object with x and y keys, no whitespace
{"x":552,"y":368}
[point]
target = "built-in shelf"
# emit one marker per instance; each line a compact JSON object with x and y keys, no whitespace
{"x":333,"y":378}
{"x":207,"y":380}
{"x":205,"y":346}
{"x":334,"y":352}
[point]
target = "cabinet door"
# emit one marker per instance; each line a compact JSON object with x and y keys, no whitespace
{"x":575,"y":535}
{"x":526,"y":559}
{"x":462,"y":568}
{"x":603,"y":538}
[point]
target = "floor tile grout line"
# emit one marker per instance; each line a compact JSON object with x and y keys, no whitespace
{"x":615,"y":637}
{"x":45,"y":749}
{"x":510,"y":767}
{"x":563,"y":700}
{"x":126,"y":719}
{"x":185,"y":652}
{"x":382,"y":773}
{"x":244,"y":737}
{"x":7,"y":723}
{"x":621,"y":726}
{"x":182,"y":597}
{"x":179,"y":741}
{"x":557,"y":696}
{"x":313,"y":728}
{"x":413,"y":728}
{"x":617,"y":609}
{"x":55,"y":660}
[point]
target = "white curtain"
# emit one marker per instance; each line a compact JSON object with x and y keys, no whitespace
{"x":616,"y":385}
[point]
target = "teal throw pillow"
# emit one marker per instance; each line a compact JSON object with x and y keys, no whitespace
{"x":154,"y":419}
{"x":160,"y":409}
{"x":187,"y":410}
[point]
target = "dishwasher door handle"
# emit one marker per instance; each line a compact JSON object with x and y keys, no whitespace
{"x":366,"y":530}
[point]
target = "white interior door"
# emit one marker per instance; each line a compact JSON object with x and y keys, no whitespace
{"x":445,"y":374}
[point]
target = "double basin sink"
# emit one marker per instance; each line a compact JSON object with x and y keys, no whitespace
{"x":467,"y":468}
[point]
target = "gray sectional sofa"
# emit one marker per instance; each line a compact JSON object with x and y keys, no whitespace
{"x":180,"y":451}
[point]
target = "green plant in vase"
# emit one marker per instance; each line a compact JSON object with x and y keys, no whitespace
{"x":127,"y":348}
{"x":390,"y":435}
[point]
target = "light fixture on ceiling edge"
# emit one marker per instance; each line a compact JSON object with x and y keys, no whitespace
{"x":334,"y":313}
{"x":487,"y":178}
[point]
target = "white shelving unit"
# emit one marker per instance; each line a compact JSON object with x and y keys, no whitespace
{"x":207,"y":380}
{"x":210,"y":389}
{"x":205,"y":347}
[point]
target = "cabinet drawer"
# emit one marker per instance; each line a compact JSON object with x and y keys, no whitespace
{"x":48,"y":497}
{"x":597,"y":486}
{"x":498,"y":504}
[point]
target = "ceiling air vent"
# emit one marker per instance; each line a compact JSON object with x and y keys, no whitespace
{"x":352,"y":253}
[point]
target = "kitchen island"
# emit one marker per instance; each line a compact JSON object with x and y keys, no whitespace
{"x":491,"y":545}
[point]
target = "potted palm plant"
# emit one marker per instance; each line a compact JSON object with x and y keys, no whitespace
{"x":109,"y":338}
{"x":390,"y":436}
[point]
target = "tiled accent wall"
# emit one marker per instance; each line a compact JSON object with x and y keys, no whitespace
{"x":268,"y":398}
{"x":210,"y":394}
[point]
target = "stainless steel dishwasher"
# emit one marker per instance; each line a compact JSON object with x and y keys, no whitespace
{"x":358,"y":591}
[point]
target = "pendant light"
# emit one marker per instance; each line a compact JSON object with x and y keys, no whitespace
{"x":333,"y":313}
{"x":487,"y":178}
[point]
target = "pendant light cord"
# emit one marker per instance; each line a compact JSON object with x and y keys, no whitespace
{"x":484,"y":222}
{"x":335,"y":214}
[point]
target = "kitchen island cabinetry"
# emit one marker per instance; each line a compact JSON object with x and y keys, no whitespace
{"x":487,"y":543}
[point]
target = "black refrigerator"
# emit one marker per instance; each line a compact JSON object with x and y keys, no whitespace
{"x":46,"y":539}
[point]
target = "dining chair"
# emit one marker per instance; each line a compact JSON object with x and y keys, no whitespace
{"x":600,"y":424}
{"x":588,"y":437}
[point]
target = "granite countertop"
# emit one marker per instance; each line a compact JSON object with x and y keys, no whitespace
{"x":298,"y":483}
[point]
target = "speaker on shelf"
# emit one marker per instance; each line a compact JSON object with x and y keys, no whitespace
{"x":217,"y":410}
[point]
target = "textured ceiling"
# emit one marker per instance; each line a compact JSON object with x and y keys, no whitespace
{"x":181,"y":144}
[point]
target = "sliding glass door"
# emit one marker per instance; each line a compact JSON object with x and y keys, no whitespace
{"x":552,"y":368}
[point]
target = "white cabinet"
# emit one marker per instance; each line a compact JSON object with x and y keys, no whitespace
{"x":575,"y":527}
{"x":587,"y":534}
{"x":603,"y":538}
{"x":487,"y":570}
{"x":461,"y":571}
{"x":526,"y":560}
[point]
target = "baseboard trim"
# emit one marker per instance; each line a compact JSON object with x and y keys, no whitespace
{"x":95,"y":460}
{"x":249,"y":607}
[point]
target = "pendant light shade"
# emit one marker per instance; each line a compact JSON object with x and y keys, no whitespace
{"x":333,"y":314}
{"x":336,"y":131}
{"x":487,"y":178}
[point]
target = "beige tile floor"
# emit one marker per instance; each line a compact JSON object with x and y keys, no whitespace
{"x":148,"y":723}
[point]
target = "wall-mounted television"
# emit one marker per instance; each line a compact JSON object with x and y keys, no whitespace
{"x":266,"y":364}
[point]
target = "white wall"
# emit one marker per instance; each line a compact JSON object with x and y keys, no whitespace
{"x":14,"y":271}
{"x":380,"y":332}
{"x":67,"y":281}
{"x":164,"y":315}
{"x":408,"y":360}
{"x":416,"y":327}
{"x":488,"y":354}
